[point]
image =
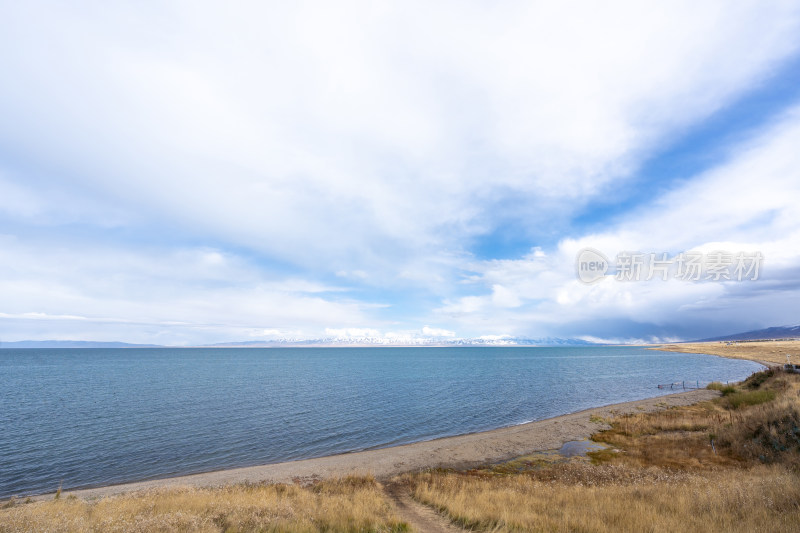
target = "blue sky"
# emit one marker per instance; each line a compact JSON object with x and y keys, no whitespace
{"x":182,"y":173}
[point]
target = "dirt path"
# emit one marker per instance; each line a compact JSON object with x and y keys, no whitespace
{"x":420,"y":517}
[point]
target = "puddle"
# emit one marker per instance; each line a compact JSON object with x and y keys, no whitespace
{"x":578,"y":448}
{"x":570,"y":451}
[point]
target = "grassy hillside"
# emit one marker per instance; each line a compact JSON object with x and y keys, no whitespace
{"x":659,"y":473}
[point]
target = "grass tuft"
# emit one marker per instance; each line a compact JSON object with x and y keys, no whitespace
{"x":11,"y":502}
{"x":759,"y":378}
{"x":737,"y":400}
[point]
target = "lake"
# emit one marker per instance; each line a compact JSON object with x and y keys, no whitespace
{"x":89,"y":417}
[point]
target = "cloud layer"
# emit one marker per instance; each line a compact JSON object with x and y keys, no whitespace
{"x":180,"y":173}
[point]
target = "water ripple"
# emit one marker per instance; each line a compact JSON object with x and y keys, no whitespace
{"x":94,"y":417}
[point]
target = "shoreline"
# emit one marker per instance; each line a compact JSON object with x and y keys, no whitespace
{"x":457,"y":452}
{"x":771,"y":354}
{"x":679,"y":349}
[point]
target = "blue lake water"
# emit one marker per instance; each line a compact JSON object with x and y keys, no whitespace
{"x":102,"y":416}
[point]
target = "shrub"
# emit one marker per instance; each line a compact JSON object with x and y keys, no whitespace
{"x":724,"y":389}
{"x":755,"y":381}
{"x":735,"y":400}
{"x":769,"y":433}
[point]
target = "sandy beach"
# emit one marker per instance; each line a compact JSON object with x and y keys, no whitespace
{"x":768,"y":353}
{"x":463,"y":451}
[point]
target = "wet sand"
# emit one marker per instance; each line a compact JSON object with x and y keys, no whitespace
{"x":463,"y":451}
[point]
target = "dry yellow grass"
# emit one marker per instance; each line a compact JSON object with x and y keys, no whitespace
{"x":764,"y":498}
{"x":659,"y":474}
{"x":350,"y":504}
{"x":769,"y":351}
{"x":743,"y":434}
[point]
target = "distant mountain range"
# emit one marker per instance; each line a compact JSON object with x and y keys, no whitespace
{"x":72,"y":344}
{"x":327,"y":341}
{"x":779,"y":332}
{"x":382,"y":341}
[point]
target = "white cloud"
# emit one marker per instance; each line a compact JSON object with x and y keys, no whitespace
{"x":184,"y":296}
{"x":311,"y":132}
{"x":226,"y":164}
{"x":437,"y":332}
{"x":350,"y":333}
{"x":17,"y":200}
{"x":747,"y":204}
{"x":495,"y":337}
{"x":504,"y":297}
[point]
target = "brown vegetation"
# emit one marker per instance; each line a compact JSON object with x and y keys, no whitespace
{"x":728,"y":465}
{"x":619,"y":498}
{"x":350,"y":504}
{"x":756,"y":421}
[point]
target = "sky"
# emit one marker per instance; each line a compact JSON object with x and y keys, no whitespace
{"x":197,"y":172}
